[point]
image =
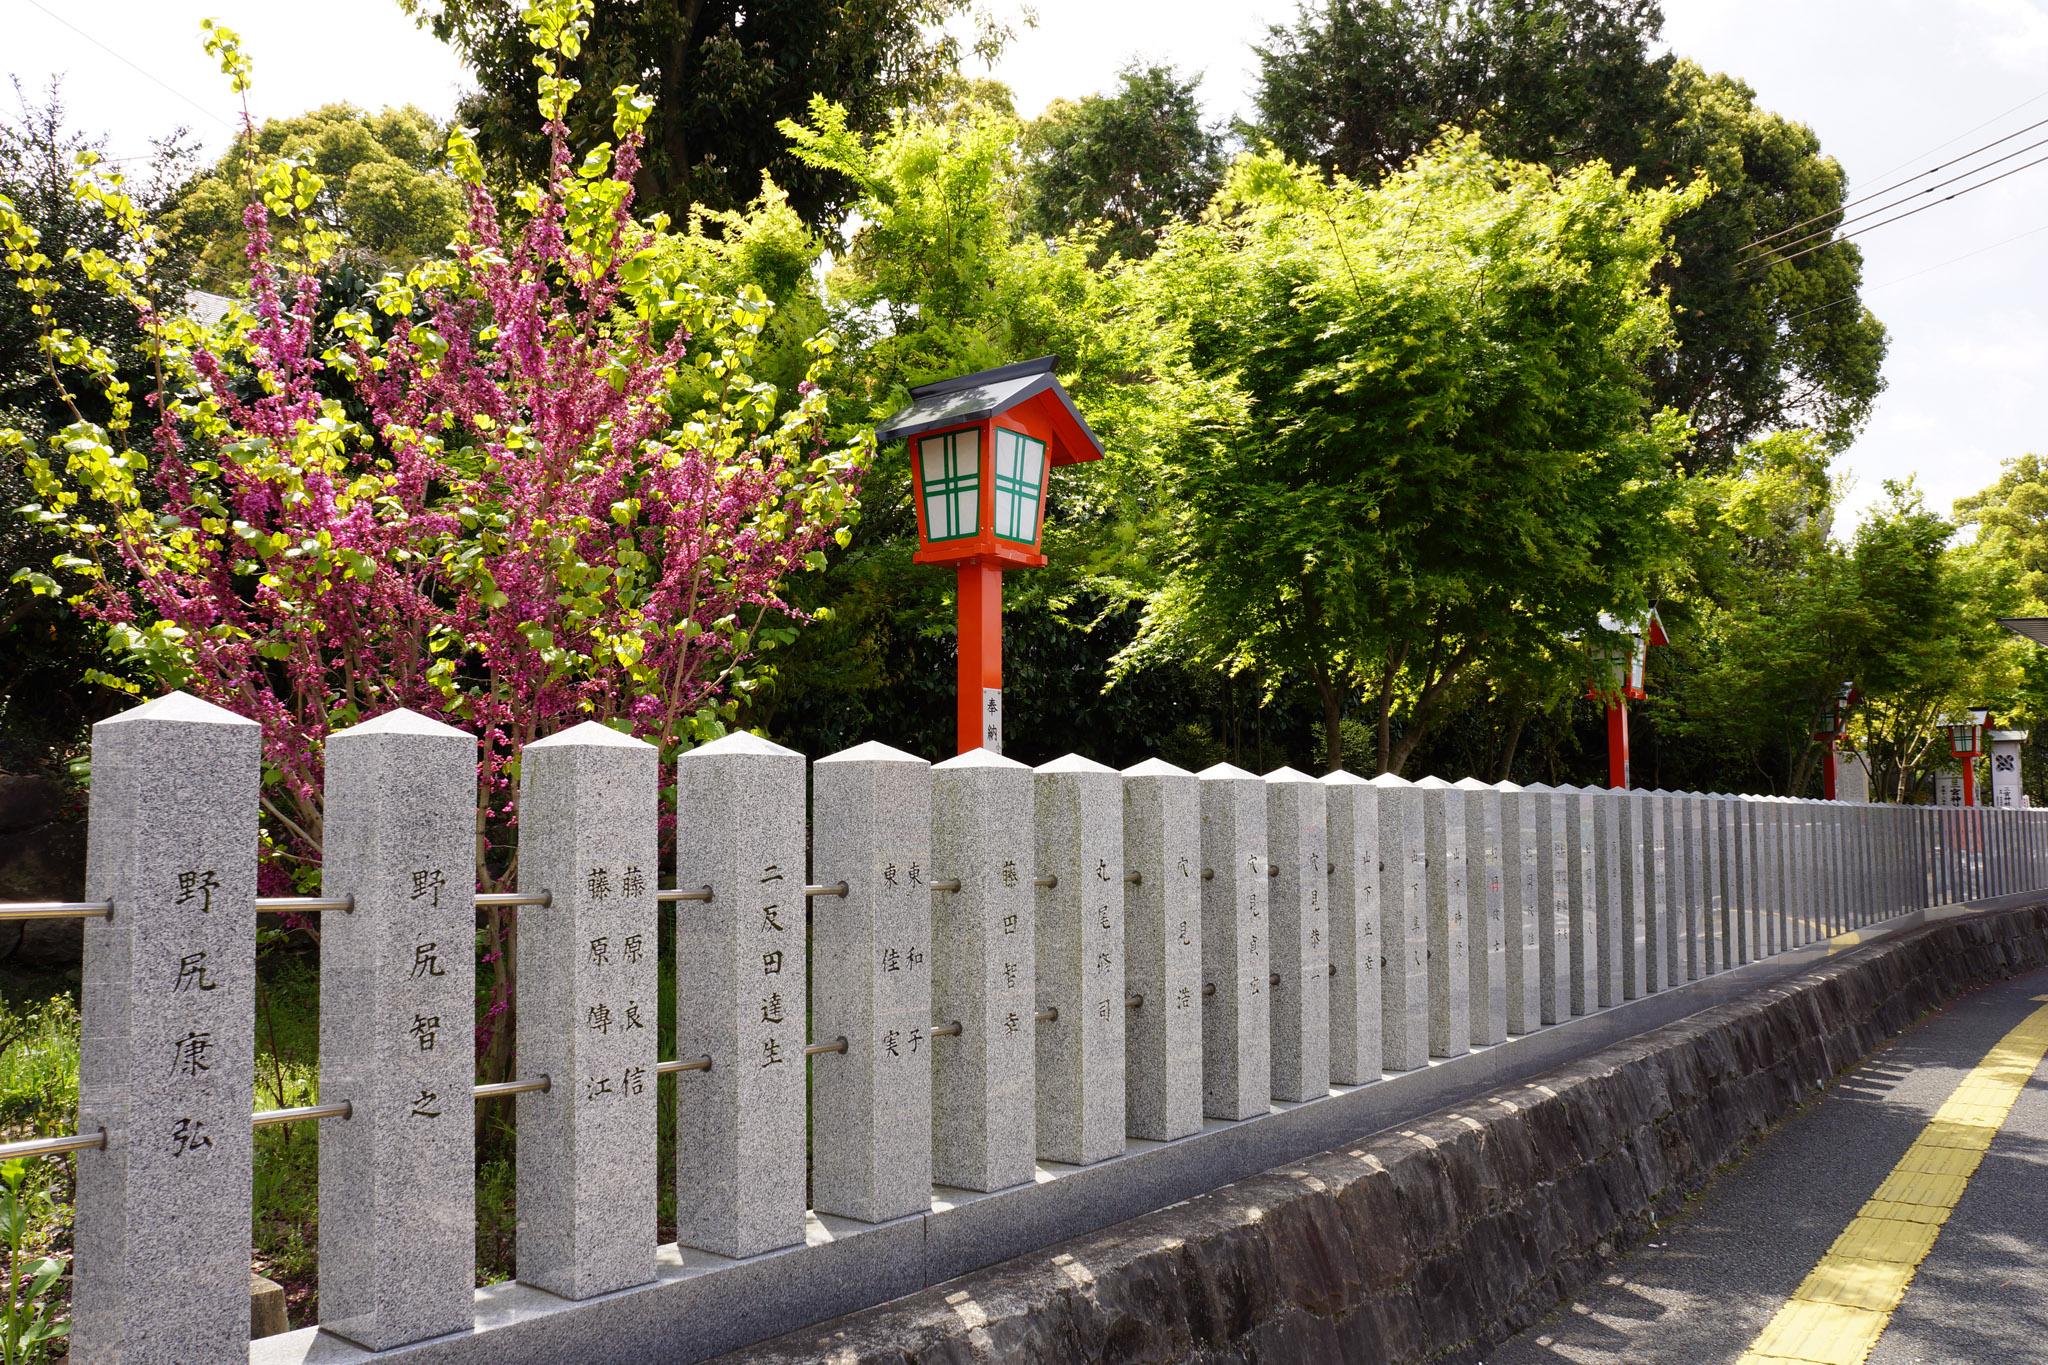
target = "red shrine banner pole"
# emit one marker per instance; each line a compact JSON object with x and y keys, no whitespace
{"x":1617,"y":743}
{"x":981,"y":656}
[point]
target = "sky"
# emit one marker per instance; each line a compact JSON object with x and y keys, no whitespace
{"x":1892,"y":88}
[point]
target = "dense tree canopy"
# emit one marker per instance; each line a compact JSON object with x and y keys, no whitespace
{"x":1445,"y":455}
{"x":721,"y":74}
{"x":1764,"y":343}
{"x":2011,"y":516}
{"x":383,"y":187}
{"x":1770,"y":613}
{"x":43,"y":647}
{"x":940,"y":278}
{"x":1135,"y":160}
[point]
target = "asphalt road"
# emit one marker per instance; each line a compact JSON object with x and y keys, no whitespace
{"x":1709,"y":1280}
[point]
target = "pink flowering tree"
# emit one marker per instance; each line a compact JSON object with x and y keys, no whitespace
{"x":534,"y":484}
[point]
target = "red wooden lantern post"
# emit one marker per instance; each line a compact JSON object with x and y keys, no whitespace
{"x":1966,"y":744}
{"x":982,"y":448}
{"x":1827,"y":728}
{"x":1619,"y":655}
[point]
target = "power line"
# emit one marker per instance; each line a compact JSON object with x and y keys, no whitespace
{"x":1885,"y":208}
{"x":1917,"y":175}
{"x":1901,"y":217}
{"x":132,"y":66}
{"x":2031,"y":99}
{"x":1953,"y":260}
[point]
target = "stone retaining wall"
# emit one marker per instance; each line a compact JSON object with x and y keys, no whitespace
{"x":1435,"y":1241}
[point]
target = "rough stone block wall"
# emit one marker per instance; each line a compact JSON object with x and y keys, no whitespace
{"x":1436,"y":1241}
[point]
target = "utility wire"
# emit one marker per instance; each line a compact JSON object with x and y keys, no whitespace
{"x":2031,"y":99}
{"x":1886,"y":208}
{"x":1901,"y":217}
{"x":1852,"y":298}
{"x":131,"y":65}
{"x":1917,"y":175}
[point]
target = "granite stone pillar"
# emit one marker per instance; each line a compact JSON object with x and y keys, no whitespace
{"x":1163,"y":951}
{"x":1787,"y":840}
{"x":1355,"y":940}
{"x":1741,"y":870}
{"x":166,"y":1059}
{"x":1765,"y":878}
{"x":1938,"y":855}
{"x":1841,"y":877}
{"x":1692,"y":833}
{"x":397,"y":996}
{"x":1749,"y":818}
{"x":984,"y":973}
{"x":1604,"y":816}
{"x":1795,"y":872}
{"x":871,"y":1106}
{"x":1297,"y":841}
{"x":1581,"y":919}
{"x":1827,"y":866}
{"x":1404,"y":925}
{"x":1653,"y":811}
{"x":1524,"y":967}
{"x":1081,"y":960}
{"x":741,"y":996}
{"x":1849,"y":859}
{"x":1808,"y":833}
{"x":1712,"y":896}
{"x":588,"y":1002}
{"x":1486,"y":911}
{"x":1928,"y":855}
{"x":1237,"y":1080}
{"x":1677,"y":893}
{"x":1628,"y":835}
{"x":1553,"y":902}
{"x":1450,"y":940}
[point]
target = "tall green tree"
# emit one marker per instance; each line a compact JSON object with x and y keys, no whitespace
{"x":44,"y":648}
{"x":2011,"y":518}
{"x":1764,"y":340}
{"x":938,"y":277}
{"x":721,"y":73}
{"x":2010,"y":521}
{"x":1932,"y":641}
{"x":384,"y":188}
{"x":1757,"y":606}
{"x":1447,"y":459}
{"x":1771,"y":612}
{"x":1361,"y":86}
{"x":1135,"y":160}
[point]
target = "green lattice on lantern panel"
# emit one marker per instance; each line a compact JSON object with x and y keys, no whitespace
{"x":1020,"y":483}
{"x":949,"y":470}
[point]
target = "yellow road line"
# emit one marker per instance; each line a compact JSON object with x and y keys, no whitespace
{"x":1840,"y":1310}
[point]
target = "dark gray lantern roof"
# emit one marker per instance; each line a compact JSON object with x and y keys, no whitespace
{"x":2035,"y":628}
{"x":974,"y":397}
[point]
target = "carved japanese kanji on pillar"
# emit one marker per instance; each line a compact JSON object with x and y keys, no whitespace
{"x":981,"y":449}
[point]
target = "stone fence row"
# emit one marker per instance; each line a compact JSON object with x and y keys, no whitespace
{"x":979,"y":966}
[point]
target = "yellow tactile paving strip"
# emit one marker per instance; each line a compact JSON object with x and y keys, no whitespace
{"x":1840,"y":1310}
